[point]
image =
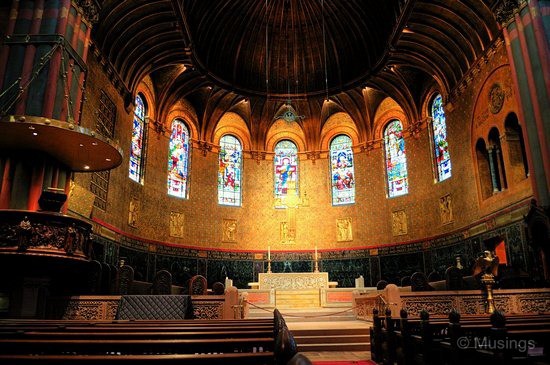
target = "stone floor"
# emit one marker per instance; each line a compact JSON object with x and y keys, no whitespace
{"x":337,"y":356}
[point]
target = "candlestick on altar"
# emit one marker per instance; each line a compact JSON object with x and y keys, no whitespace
{"x":269,"y":259}
{"x":316,"y":261}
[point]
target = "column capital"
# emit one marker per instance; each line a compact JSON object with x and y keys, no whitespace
{"x":90,"y":9}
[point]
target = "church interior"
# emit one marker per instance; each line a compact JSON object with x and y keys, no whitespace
{"x":375,"y":157}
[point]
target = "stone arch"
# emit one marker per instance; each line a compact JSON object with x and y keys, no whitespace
{"x":233,"y":124}
{"x":282,"y":130}
{"x":387,"y":111}
{"x":336,"y":124}
{"x":519,"y":168}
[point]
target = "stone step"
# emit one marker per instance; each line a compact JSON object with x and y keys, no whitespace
{"x":339,"y":347}
{"x":331,"y":339}
{"x":319,"y":333}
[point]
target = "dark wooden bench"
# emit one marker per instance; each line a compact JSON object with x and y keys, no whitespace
{"x":456,"y":340}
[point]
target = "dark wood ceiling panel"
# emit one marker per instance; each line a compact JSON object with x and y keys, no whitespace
{"x":223,"y":45}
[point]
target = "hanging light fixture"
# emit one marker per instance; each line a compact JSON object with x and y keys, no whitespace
{"x":287,"y":112}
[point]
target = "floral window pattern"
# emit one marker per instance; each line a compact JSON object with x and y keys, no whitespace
{"x":441,"y":146}
{"x":396,"y":159}
{"x":342,"y":171}
{"x":138,"y":140}
{"x":286,"y":168}
{"x":229,"y":171}
{"x":178,"y":159}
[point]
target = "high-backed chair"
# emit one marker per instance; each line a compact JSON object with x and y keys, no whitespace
{"x":126,"y":278}
{"x":419,"y":282}
{"x":198,"y":285}
{"x":453,"y":279}
{"x":380,"y":285}
{"x":162,"y":283}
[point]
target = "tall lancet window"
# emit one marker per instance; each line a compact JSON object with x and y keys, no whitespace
{"x":286,"y":169}
{"x":230,"y":171}
{"x":396,"y":159}
{"x":342,"y":172}
{"x":178,"y":159}
{"x":137,"y":144}
{"x":442,"y":158}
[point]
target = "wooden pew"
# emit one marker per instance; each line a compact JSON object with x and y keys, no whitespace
{"x":438,"y":341}
{"x":258,"y":358}
{"x":104,"y":342}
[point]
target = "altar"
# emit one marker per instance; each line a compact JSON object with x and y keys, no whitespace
{"x":294,"y":280}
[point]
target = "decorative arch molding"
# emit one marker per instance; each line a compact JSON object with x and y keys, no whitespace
{"x":185,"y":112}
{"x":145,"y":88}
{"x":282,"y":130}
{"x":232,"y":123}
{"x":494,"y":101}
{"x":381,"y":121}
{"x":336,"y":124}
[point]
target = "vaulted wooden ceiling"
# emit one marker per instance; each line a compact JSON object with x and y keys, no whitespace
{"x":397,"y":47}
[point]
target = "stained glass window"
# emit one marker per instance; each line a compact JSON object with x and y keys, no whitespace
{"x":138,"y":140}
{"x":441,"y":147}
{"x":396,"y":159}
{"x":178,"y":159}
{"x":229,"y":171}
{"x":286,"y":168}
{"x":342,"y":172}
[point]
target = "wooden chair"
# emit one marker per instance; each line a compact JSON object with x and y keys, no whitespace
{"x":198,"y":285}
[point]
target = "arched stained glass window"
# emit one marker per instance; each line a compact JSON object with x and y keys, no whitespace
{"x":178,"y":159}
{"x":342,"y":171}
{"x":137,"y":144}
{"x":396,"y":159}
{"x":286,"y":168}
{"x":441,"y":147}
{"x":230,"y":171}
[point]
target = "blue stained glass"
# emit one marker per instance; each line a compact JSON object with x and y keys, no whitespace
{"x":441,"y":146}
{"x":229,"y":171}
{"x":178,"y":159}
{"x":136,"y":144}
{"x":286,"y":168}
{"x":342,"y":171}
{"x":396,"y":159}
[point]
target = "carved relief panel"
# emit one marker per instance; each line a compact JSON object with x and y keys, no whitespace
{"x":446,"y":209}
{"x":229,"y":230}
{"x":399,"y":223}
{"x":133,"y":212}
{"x":344,"y":230}
{"x":177,"y":221}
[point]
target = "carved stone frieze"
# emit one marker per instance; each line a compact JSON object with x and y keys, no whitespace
{"x":293,"y":280}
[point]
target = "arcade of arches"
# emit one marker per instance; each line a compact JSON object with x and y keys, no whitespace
{"x":389,"y":146}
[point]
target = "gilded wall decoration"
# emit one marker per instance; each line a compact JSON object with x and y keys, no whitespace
{"x":399,"y":223}
{"x":446,"y":209}
{"x":496,"y":98}
{"x":177,"y":224}
{"x":133,"y":212}
{"x":229,"y":228}
{"x":344,"y":230}
{"x":288,"y":235}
